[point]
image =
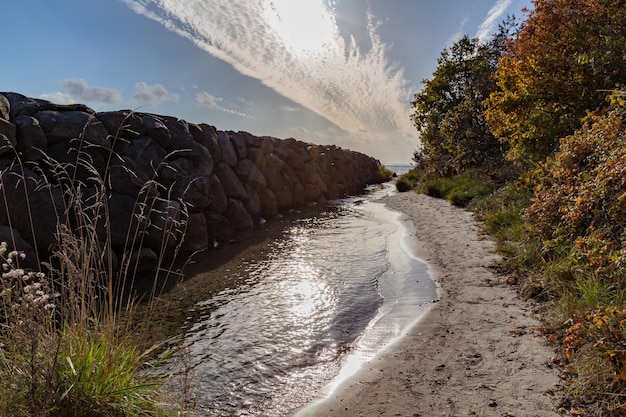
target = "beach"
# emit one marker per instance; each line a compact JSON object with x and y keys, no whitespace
{"x":477,"y":352}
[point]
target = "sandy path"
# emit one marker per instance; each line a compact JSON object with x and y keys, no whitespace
{"x":476,"y":353}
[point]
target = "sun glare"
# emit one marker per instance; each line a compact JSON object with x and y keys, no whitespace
{"x":303,"y":26}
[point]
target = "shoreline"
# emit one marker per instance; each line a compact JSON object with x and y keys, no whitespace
{"x":475,"y":352}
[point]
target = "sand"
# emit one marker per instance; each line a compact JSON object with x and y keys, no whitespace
{"x":477,"y":352}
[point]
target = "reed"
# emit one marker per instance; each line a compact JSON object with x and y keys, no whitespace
{"x":65,"y":345}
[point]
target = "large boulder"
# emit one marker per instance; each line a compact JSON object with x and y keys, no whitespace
{"x":122,"y":124}
{"x":146,"y":153}
{"x":250,"y":174}
{"x":5,"y":108}
{"x":231,"y":183}
{"x":238,"y":216}
{"x":31,"y":205}
{"x":31,"y":139}
{"x":220,"y":199}
{"x":156,"y":129}
{"x":196,"y":237}
{"x":15,"y":242}
{"x":229,"y":156}
{"x":67,"y":126}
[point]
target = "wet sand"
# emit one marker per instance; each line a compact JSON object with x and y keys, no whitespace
{"x":477,"y":352}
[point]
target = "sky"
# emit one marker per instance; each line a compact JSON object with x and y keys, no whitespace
{"x":340,"y":72}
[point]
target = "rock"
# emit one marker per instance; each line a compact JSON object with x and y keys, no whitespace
{"x":253,"y":205}
{"x":122,"y":124}
{"x":208,"y":139}
{"x":14,"y":241}
{"x":31,"y":140}
{"x":179,"y":178}
{"x":9,"y":130}
{"x":122,"y":222}
{"x":232,"y":186}
{"x":146,"y":153}
{"x":125,"y":177}
{"x":166,"y":226}
{"x":5,"y":108}
{"x":220,"y":200}
{"x":238,"y":140}
{"x":269,"y":204}
{"x":143,"y":261}
{"x":63,"y":127}
{"x":250,"y":174}
{"x":30,"y":198}
{"x":156,"y":129}
{"x":238,"y":216}
{"x":218,"y":228}
{"x":196,"y":237}
{"x":229,"y":156}
{"x":71,"y":166}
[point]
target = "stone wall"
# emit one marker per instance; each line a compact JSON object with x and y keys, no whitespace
{"x":150,"y":184}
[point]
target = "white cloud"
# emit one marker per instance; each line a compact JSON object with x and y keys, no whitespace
{"x":460,"y":32}
{"x":152,"y":94}
{"x":79,"y":90}
{"x":494,"y":16}
{"x":289,"y":108}
{"x":297,"y":50}
{"x":205,"y":99}
{"x":57,"y":98}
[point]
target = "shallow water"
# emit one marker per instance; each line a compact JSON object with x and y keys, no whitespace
{"x":332,"y":293}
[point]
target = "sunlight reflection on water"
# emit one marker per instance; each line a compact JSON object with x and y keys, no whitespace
{"x":333,"y":292}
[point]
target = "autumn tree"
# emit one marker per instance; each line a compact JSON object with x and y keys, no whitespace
{"x":448,"y":112}
{"x":565,"y":59}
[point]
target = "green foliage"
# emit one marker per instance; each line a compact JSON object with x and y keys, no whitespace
{"x":559,"y":67}
{"x":459,"y":189}
{"x":385,"y":173}
{"x":448,"y":112}
{"x":582,"y":199}
{"x":408,"y":181}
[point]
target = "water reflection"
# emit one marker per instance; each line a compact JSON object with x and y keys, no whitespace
{"x":270,"y":345}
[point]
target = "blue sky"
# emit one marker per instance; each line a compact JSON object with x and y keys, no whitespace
{"x":337,"y":72}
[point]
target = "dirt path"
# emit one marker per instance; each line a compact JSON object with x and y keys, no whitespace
{"x":476,"y":353}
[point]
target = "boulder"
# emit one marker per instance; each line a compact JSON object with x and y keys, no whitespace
{"x":69,"y":165}
{"x":166,"y":226}
{"x":30,"y":205}
{"x":63,"y":127}
{"x":238,"y":216}
{"x":232,"y":186}
{"x":9,"y":130}
{"x":122,"y":124}
{"x":179,"y":178}
{"x":31,"y":140}
{"x":14,"y":241}
{"x":207,"y":137}
{"x":196,"y":237}
{"x":250,"y":174}
{"x":220,"y":200}
{"x":218,"y":229}
{"x":122,"y":221}
{"x":239,"y":143}
{"x":142,"y":261}
{"x":253,"y":205}
{"x":5,"y":108}
{"x":125,"y":177}
{"x":229,"y":156}
{"x":146,"y":153}
{"x":156,"y":129}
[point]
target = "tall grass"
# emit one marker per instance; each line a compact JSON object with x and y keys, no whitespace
{"x":65,"y":346}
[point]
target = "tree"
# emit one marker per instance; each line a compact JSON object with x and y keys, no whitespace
{"x":449,"y":112}
{"x":564,"y":60}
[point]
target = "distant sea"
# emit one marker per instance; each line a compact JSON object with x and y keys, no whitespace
{"x":400,"y":169}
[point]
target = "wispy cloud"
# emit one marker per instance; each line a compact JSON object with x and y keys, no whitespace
{"x":494,"y":16}
{"x":205,"y":99}
{"x":296,"y":49}
{"x":460,"y":31}
{"x":58,"y":98}
{"x":152,"y":94}
{"x":79,"y":90}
